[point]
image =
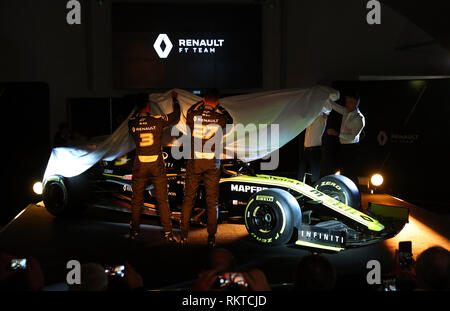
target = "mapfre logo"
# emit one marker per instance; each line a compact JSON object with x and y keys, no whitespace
{"x":246,"y":188}
{"x":158,"y":43}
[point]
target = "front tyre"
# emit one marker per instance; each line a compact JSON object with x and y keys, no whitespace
{"x":341,"y":188}
{"x":64,"y":196}
{"x":271,"y":215}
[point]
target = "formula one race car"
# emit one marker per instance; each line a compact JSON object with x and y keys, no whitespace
{"x":275,"y":210}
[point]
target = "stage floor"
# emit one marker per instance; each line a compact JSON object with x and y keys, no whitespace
{"x":99,"y":236}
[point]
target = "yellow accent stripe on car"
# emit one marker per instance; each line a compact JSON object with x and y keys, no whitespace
{"x":121,"y":161}
{"x":112,"y":175}
{"x":298,"y":186}
{"x":314,"y":245}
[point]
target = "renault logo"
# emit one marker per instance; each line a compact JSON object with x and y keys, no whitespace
{"x":157,"y":45}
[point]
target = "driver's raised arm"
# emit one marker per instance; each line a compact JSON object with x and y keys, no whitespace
{"x":174,"y":116}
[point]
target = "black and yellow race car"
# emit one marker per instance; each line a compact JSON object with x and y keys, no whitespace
{"x":275,"y":210}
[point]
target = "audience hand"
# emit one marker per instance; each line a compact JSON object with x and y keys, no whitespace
{"x":5,"y":260}
{"x":205,"y":281}
{"x":256,"y":280}
{"x":35,"y":276}
{"x":132,"y":278}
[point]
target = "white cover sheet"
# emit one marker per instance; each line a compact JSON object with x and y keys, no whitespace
{"x":292,"y":110}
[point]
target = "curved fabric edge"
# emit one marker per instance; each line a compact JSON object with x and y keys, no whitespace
{"x":292,"y":110}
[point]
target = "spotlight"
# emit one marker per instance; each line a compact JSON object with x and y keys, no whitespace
{"x":37,"y":187}
{"x":376,"y":180}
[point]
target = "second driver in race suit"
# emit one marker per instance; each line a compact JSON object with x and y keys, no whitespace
{"x":204,"y":119}
{"x":146,"y":130}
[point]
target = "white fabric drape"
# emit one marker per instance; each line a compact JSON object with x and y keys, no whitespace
{"x":293,"y":110}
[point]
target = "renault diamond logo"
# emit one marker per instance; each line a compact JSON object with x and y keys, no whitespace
{"x":157,"y":45}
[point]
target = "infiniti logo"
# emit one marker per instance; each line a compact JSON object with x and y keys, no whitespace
{"x":157,"y":45}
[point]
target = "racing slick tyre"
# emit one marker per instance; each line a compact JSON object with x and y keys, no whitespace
{"x":271,"y":215}
{"x":64,"y":196}
{"x":341,"y":188}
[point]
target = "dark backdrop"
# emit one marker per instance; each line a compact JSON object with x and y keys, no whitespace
{"x":25,"y":143}
{"x":413,"y":117}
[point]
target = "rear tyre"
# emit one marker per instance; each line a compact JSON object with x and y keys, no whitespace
{"x":65,"y":196}
{"x":341,"y":188}
{"x":271,"y":215}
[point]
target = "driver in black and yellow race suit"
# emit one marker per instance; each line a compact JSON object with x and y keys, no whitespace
{"x":146,"y":130}
{"x":204,"y":119}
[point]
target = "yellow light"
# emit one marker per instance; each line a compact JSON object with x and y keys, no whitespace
{"x":376,"y":180}
{"x":37,"y":187}
{"x":337,"y":173}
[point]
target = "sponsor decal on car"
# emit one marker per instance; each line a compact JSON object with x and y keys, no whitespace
{"x":127,"y":177}
{"x":330,"y":183}
{"x":262,"y":240}
{"x":266,"y":198}
{"x":246,"y":188}
{"x":321,"y":236}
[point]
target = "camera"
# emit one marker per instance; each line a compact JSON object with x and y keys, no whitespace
{"x":115,"y":271}
{"x":389,"y":284}
{"x":231,"y":280}
{"x":18,"y":264}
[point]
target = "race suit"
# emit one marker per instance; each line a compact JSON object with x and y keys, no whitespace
{"x":203,"y":122}
{"x":146,"y":131}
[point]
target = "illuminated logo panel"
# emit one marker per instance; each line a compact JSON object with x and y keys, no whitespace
{"x":186,"y":46}
{"x":168,"y":45}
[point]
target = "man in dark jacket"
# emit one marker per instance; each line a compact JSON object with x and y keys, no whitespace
{"x":146,"y":130}
{"x":206,"y":121}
